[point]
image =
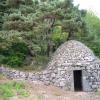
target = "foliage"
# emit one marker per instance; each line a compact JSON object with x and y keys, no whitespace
{"x":35,"y":29}
{"x":14,"y":55}
{"x":93,"y":23}
{"x":93,"y":36}
{"x":17,"y":25}
{"x":3,"y":10}
{"x":58,"y":36}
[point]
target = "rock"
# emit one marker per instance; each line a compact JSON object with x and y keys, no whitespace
{"x":53,"y":75}
{"x":62,"y":84}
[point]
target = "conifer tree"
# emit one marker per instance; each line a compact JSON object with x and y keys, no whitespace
{"x":39,"y":26}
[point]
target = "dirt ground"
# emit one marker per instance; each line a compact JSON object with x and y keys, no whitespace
{"x":41,"y":92}
{"x":38,"y":91}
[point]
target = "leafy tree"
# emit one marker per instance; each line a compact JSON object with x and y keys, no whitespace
{"x":93,"y":23}
{"x":93,"y":36}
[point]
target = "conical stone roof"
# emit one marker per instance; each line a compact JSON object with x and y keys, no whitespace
{"x":72,"y":53}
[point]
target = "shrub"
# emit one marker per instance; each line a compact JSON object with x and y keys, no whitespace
{"x":15,"y":55}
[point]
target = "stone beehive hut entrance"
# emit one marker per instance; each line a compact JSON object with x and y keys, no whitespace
{"x":73,"y":67}
{"x":77,"y":74}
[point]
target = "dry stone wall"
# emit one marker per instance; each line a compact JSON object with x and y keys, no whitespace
{"x":58,"y":77}
{"x":15,"y":74}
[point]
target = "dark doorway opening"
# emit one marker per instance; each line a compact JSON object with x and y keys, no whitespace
{"x":77,"y":80}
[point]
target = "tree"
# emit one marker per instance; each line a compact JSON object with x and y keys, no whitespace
{"x":93,"y":36}
{"x":29,"y":2}
{"x":3,"y":10}
{"x":40,"y":25}
{"x":14,"y":3}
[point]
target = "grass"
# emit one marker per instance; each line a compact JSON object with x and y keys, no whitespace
{"x":98,"y":93}
{"x":11,"y":89}
{"x":40,"y":98}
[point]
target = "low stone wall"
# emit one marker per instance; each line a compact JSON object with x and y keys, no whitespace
{"x":20,"y":75}
{"x":39,"y":77}
{"x":46,"y":77}
{"x":57,"y":77}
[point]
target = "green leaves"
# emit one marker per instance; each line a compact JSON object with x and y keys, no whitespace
{"x":58,"y":36}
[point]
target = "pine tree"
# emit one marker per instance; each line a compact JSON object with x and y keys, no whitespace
{"x":3,"y":10}
{"x":40,"y":26}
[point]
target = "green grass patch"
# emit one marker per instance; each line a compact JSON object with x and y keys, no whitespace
{"x":39,"y":98}
{"x":98,"y":93}
{"x":9,"y":90}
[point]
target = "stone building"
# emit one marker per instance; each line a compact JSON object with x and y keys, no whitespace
{"x":73,"y":67}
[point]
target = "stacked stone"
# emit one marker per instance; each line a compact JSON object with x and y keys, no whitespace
{"x":73,"y":55}
{"x":20,"y":75}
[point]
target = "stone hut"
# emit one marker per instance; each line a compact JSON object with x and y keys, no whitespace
{"x":73,"y":67}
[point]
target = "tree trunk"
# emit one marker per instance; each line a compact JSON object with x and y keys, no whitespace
{"x":70,"y":35}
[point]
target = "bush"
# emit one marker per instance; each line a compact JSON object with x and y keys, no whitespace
{"x":13,"y":61}
{"x":15,"y":55}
